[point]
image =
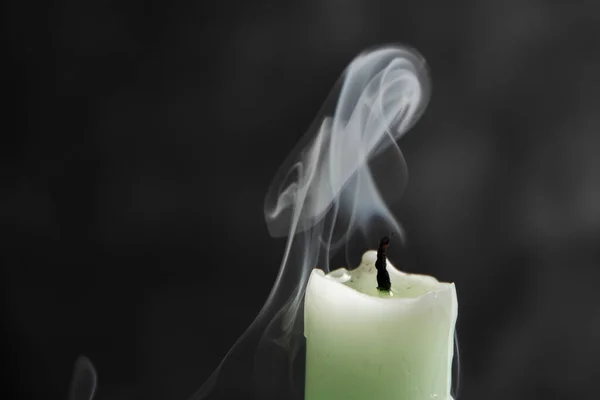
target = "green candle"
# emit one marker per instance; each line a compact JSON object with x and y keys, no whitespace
{"x":366,"y":344}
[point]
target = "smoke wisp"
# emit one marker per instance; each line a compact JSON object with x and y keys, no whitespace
{"x":329,"y":198}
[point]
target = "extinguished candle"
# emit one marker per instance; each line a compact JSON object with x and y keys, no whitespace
{"x":364,"y":342}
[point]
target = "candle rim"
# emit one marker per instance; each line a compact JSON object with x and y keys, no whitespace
{"x":441,"y":288}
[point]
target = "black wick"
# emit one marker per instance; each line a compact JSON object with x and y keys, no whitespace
{"x":383,"y":277}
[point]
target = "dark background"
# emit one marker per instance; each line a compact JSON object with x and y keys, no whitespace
{"x":140,"y":138}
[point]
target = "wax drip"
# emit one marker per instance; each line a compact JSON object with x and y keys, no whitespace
{"x":383,"y":277}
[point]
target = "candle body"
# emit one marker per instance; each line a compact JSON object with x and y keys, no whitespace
{"x":362,"y":344}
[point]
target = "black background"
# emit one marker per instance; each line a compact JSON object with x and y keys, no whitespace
{"x":140,"y":138}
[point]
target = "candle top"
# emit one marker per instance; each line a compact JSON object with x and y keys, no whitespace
{"x":363,"y":279}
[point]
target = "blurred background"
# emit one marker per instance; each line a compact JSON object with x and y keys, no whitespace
{"x":140,"y":138}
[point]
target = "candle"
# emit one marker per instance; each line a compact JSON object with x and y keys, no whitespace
{"x":367,"y":343}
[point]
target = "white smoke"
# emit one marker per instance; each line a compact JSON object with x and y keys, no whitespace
{"x":329,"y":195}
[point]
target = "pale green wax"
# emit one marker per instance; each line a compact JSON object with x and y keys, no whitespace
{"x":362,"y":344}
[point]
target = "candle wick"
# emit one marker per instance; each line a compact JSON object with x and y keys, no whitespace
{"x":383,"y":277}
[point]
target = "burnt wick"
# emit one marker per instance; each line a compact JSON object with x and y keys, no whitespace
{"x":383,"y":277}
